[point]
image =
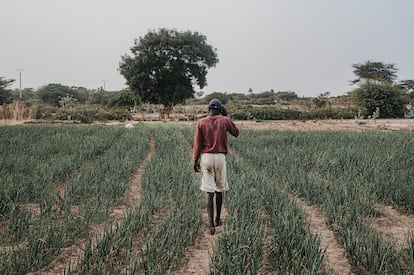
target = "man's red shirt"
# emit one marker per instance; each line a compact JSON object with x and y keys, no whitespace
{"x":211,"y":135}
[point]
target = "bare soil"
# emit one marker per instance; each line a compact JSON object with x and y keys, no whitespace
{"x":394,"y":226}
{"x":335,"y":255}
{"x":331,"y":125}
{"x":291,"y":125}
{"x":311,"y":125}
{"x":198,"y":256}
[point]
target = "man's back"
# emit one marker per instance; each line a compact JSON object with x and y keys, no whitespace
{"x":211,"y":134}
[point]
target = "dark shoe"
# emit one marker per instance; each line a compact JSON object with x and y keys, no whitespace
{"x":212,"y":230}
{"x":218,"y":222}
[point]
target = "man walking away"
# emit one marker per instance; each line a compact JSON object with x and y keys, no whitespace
{"x":209,"y":156}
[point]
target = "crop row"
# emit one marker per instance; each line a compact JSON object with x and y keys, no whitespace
{"x":345,"y":174}
{"x":153,"y":237}
{"x":101,"y":162}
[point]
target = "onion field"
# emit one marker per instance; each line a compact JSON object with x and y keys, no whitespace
{"x":101,"y":199}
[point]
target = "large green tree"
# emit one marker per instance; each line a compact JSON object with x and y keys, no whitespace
{"x":377,"y":90}
{"x":388,"y":98}
{"x":165,"y":64}
{"x":5,"y":94}
{"x":372,"y":70}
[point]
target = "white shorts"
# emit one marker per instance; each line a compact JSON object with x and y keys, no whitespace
{"x":213,"y":173}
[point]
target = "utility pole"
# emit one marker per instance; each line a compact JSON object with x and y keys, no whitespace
{"x":20,"y":81}
{"x":104,"y":81}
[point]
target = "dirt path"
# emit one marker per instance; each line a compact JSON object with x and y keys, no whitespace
{"x":134,"y":190}
{"x":394,"y":225}
{"x":73,"y":255}
{"x":334,"y":259}
{"x":198,"y":256}
{"x":335,"y":256}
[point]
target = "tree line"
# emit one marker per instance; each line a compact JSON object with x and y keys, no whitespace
{"x":164,"y":66}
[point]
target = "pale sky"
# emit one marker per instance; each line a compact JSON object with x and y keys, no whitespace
{"x":305,"y":46}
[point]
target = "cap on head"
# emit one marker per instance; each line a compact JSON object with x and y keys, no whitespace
{"x":214,"y":104}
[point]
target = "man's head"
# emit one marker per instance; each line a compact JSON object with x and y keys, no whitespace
{"x":214,"y":106}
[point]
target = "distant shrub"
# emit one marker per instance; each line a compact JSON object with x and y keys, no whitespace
{"x":46,"y":112}
{"x":223,"y":97}
{"x":271,"y":113}
{"x":82,"y":114}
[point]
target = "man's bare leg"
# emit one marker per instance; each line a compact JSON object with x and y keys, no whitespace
{"x":219,"y":202}
{"x":210,"y":211}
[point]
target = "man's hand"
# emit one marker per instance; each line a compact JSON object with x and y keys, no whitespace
{"x":197,"y":167}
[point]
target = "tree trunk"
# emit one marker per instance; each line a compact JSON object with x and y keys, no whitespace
{"x":168,"y":109}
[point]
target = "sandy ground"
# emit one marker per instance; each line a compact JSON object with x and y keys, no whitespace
{"x":331,"y":124}
{"x":314,"y":125}
{"x":320,"y":125}
{"x":290,"y":125}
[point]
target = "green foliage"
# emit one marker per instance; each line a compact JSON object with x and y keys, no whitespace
{"x":319,"y":102}
{"x":375,"y":71}
{"x":99,"y":97}
{"x":236,"y":97}
{"x":407,"y":85}
{"x":5,"y":94}
{"x":83,"y":114}
{"x":93,"y":163}
{"x":408,"y":88}
{"x":264,"y":98}
{"x":345,"y":175}
{"x":286,"y":96}
{"x":223,"y":97}
{"x":387,"y":97}
{"x":265,"y":230}
{"x":53,"y":93}
{"x":272,"y":113}
{"x":28,"y":95}
{"x":123,"y":98}
{"x":67,"y":101}
{"x":165,"y":64}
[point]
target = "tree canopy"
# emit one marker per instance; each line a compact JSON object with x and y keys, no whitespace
{"x":165,"y":64}
{"x":123,"y":98}
{"x":54,"y":92}
{"x":378,"y":71}
{"x":381,"y":94}
{"x":407,"y":85}
{"x":223,"y":97}
{"x":5,"y":95}
{"x":386,"y":97}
